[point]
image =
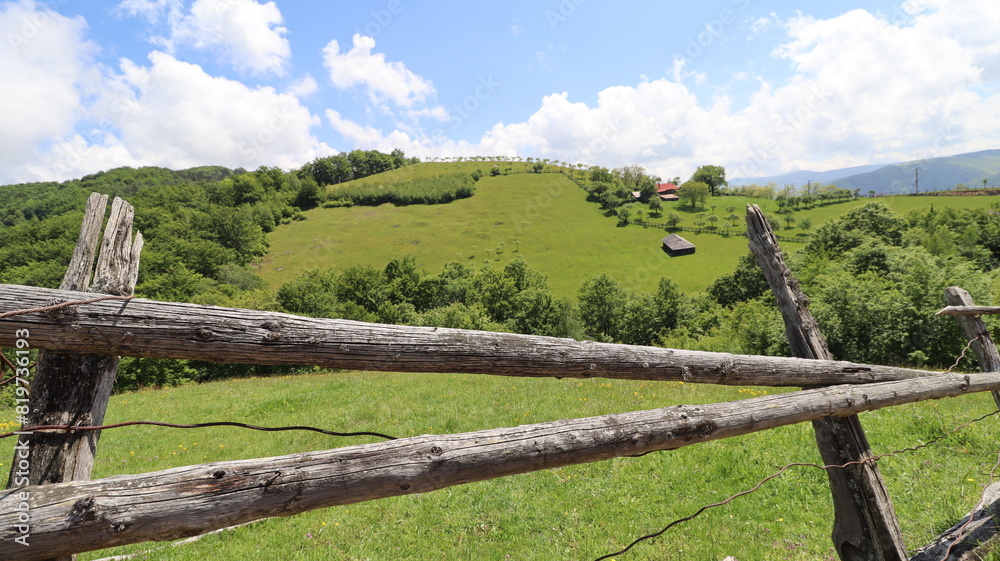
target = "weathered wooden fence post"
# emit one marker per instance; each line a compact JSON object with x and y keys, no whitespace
{"x":967,"y":535}
{"x":976,"y":332}
{"x":73,"y":389}
{"x":865,"y":525}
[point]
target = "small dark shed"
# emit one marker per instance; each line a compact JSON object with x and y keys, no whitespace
{"x":676,"y":245}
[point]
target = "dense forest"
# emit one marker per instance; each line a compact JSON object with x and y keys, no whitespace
{"x":875,"y":278}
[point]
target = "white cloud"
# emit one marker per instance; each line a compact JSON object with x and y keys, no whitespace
{"x":243,"y":33}
{"x":151,"y":10}
{"x":47,"y":66}
{"x":863,"y":88}
{"x":762,"y":24}
{"x":173,"y":114}
{"x":391,"y":81}
{"x":303,"y":87}
{"x":248,"y":33}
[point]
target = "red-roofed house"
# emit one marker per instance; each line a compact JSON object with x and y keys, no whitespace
{"x":667,"y":191}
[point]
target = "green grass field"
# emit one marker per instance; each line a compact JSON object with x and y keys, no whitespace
{"x":559,"y":233}
{"x":544,"y":217}
{"x":572,"y":513}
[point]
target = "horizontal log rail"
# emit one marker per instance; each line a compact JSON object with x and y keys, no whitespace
{"x":969,"y":311}
{"x":153,"y":329}
{"x":78,"y":516}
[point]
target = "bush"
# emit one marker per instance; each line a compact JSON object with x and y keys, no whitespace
{"x":418,"y":191}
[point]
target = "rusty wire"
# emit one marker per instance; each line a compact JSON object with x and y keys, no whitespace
{"x":86,"y":428}
{"x":787,"y":467}
{"x":61,"y":305}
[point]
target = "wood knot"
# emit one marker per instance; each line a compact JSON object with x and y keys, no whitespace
{"x":273,"y":330}
{"x":83,"y":510}
{"x":219,"y":474}
{"x":437,"y":451}
{"x":204,"y":334}
{"x":116,"y":527}
{"x":61,"y":312}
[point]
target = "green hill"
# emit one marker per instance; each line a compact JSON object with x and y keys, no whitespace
{"x":545,"y":217}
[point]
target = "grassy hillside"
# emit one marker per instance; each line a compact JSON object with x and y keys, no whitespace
{"x":577,"y":512}
{"x":560,"y":232}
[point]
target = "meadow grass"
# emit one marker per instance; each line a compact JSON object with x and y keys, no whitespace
{"x":543,"y":217}
{"x":577,"y":512}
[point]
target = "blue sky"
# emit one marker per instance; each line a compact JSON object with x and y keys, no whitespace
{"x":758,"y":86}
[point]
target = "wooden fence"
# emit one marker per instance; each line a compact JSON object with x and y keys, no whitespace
{"x":723,"y":231}
{"x":66,"y":513}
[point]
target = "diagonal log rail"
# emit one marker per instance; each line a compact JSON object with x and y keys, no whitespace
{"x":80,"y":516}
{"x":148,"y":328}
{"x":865,"y":527}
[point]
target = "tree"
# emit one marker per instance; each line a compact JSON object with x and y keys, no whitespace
{"x":733,"y":218}
{"x":236,"y":229}
{"x":673,"y":219}
{"x":876,"y":220}
{"x":600,"y":174}
{"x":398,"y":158}
{"x":713,"y":219}
{"x":247,"y":188}
{"x":655,"y":206}
{"x":745,"y":283}
{"x":403,"y":280}
{"x":307,"y":195}
{"x":602,"y":307}
{"x":713,"y":176}
{"x":538,"y":167}
{"x":699,"y":219}
{"x":624,"y":214}
{"x":363,"y":290}
{"x":806,"y":223}
{"x":329,"y":170}
{"x":639,"y":321}
{"x":669,"y":304}
{"x":693,"y":192}
{"x":310,"y":294}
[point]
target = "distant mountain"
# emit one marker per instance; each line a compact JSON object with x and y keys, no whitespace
{"x":936,"y":174}
{"x":801,"y":177}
